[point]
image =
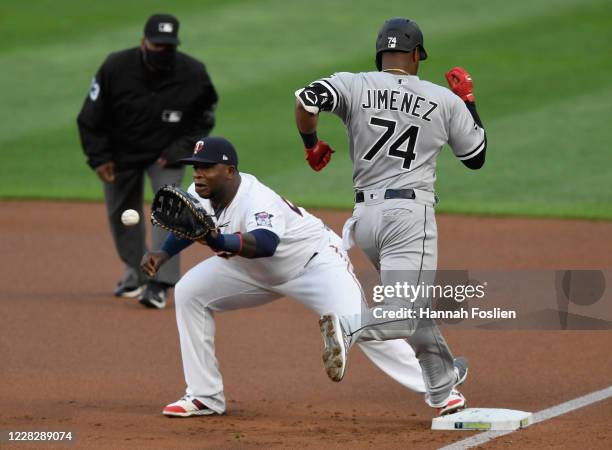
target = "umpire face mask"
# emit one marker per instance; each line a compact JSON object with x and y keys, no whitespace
{"x":159,"y":58}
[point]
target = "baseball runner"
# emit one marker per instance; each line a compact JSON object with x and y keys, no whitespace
{"x":397,"y":125}
{"x":267,"y":248}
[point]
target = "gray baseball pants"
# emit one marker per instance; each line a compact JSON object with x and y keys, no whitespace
{"x":127,"y":192}
{"x":399,"y":236}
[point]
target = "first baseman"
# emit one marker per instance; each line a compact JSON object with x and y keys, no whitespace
{"x":266,"y":248}
{"x":397,"y":125}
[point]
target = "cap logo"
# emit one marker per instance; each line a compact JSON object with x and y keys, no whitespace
{"x":171,"y":116}
{"x":392,"y":42}
{"x":199,"y":146}
{"x":225,"y":158}
{"x":94,"y":90}
{"x":165,"y":27}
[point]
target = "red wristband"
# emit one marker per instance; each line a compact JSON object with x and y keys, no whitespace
{"x":241,"y":242}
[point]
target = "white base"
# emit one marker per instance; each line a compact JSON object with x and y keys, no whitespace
{"x":484,"y":419}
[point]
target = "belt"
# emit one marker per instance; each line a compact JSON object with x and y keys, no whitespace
{"x":389,"y":194}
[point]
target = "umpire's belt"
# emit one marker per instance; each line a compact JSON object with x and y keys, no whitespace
{"x":387,"y":194}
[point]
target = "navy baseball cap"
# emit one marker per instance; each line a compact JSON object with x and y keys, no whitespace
{"x":212,"y":150}
{"x":162,"y":29}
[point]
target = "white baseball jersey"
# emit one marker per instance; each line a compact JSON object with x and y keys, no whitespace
{"x":397,"y":125}
{"x":256,"y":206}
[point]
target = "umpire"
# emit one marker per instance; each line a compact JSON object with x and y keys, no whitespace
{"x":145,"y":108}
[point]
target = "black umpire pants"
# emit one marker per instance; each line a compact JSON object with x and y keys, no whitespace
{"x":127,"y":192}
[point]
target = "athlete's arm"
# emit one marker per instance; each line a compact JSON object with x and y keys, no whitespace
{"x":153,"y":260}
{"x":258,"y":243}
{"x":306,"y":124}
{"x":460,"y":82}
{"x":471,"y":106}
{"x":318,"y":153}
{"x":314,"y":98}
{"x":477,"y":161}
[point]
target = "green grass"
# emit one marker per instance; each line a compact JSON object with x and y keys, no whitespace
{"x":541,"y":71}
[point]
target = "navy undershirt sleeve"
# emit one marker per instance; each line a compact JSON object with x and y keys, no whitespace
{"x":265,"y":242}
{"x":173,"y":244}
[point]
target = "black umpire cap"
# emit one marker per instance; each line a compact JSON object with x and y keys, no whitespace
{"x":162,"y":29}
{"x":212,"y":150}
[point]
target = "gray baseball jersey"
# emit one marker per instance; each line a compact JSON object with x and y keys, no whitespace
{"x":397,"y":125}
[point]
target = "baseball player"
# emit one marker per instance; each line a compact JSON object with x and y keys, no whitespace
{"x":397,"y":125}
{"x":266,"y":248}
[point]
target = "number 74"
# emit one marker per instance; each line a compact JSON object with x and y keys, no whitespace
{"x":410,"y":135}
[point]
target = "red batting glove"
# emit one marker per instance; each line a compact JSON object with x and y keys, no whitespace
{"x":319,"y":155}
{"x":460,"y":83}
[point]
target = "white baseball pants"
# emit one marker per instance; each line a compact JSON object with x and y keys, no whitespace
{"x":327,"y":284}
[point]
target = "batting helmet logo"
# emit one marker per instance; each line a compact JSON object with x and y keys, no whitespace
{"x":399,"y":35}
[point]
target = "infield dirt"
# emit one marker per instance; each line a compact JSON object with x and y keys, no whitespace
{"x":75,"y":358}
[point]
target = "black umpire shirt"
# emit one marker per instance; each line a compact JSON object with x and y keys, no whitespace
{"x":132,"y":116}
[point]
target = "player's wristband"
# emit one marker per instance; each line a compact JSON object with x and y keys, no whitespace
{"x":173,"y":245}
{"x":231,"y":243}
{"x":309,"y":139}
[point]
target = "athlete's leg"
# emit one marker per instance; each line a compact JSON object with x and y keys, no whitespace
{"x":413,"y":259}
{"x":214,"y":285}
{"x":329,"y":285}
{"x":397,"y":359}
{"x":402,"y":242}
{"x":391,"y":235}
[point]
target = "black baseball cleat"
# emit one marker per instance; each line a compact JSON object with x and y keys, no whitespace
{"x":461,"y":369}
{"x":128,"y":291}
{"x":154,"y":296}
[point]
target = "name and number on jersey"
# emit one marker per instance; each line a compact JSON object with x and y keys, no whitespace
{"x":400,"y":143}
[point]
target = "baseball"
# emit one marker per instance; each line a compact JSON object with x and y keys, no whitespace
{"x":129,"y":217}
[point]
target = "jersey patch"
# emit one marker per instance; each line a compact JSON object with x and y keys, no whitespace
{"x":94,"y":90}
{"x":263,"y":219}
{"x":318,"y":96}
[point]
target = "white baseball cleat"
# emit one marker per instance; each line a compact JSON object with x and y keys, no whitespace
{"x":186,"y":407}
{"x":336,"y":345}
{"x":455,"y":402}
